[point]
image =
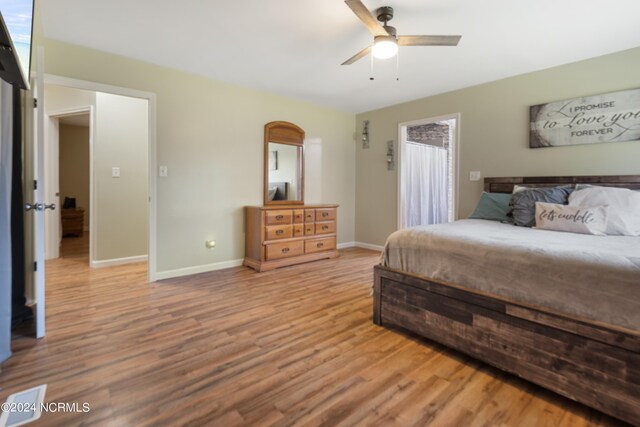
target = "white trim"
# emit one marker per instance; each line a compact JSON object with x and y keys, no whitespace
{"x":118,"y":261}
{"x":73,"y":111}
{"x":187,"y":271}
{"x":346,"y":245}
{"x":151,"y":160}
{"x":52,"y":79}
{"x":369,"y":246}
{"x":456,"y":161}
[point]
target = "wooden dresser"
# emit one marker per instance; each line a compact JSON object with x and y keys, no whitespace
{"x":72,"y":222}
{"x":281,"y":235}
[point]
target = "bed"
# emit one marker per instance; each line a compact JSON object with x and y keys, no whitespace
{"x":542,"y":327}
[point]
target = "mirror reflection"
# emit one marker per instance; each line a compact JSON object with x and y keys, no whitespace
{"x":284,"y":164}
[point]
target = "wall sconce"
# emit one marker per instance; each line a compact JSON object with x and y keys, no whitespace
{"x":365,"y":134}
{"x":390,"y":156}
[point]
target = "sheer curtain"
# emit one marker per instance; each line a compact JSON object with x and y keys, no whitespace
{"x":6,"y":142}
{"x":426,"y":184}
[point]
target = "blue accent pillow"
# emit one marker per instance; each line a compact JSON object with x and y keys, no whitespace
{"x":523,"y":203}
{"x":493,"y":206}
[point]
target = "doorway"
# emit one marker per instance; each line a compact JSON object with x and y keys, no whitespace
{"x":69,"y":170}
{"x":427,"y":184}
{"x":97,"y":161}
{"x":37,"y":157}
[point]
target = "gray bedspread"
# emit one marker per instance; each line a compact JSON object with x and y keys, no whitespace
{"x":594,"y":277}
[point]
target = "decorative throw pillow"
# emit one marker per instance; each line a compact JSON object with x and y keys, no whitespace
{"x":492,"y":206}
{"x":523,"y":203}
{"x":624,"y":207}
{"x":574,"y":219}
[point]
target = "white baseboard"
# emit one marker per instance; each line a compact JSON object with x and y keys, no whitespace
{"x":346,"y":245}
{"x":187,"y":271}
{"x":369,"y":246}
{"x":118,"y":261}
{"x":360,"y":245}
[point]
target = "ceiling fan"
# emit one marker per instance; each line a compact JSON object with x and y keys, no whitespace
{"x":385,"y":40}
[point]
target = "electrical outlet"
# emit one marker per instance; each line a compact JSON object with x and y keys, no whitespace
{"x":163,"y":171}
{"x":115,"y":172}
{"x":474,"y":176}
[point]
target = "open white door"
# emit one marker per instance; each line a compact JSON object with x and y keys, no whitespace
{"x":34,"y":195}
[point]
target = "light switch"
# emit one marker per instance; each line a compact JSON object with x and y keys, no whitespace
{"x":163,"y":171}
{"x":115,"y":172}
{"x":474,"y":176}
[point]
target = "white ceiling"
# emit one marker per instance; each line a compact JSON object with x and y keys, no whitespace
{"x":294,"y":47}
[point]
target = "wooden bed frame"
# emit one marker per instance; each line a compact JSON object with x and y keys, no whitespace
{"x":592,"y":363}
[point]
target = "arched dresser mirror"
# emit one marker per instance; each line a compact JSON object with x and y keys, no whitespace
{"x":285,"y":231}
{"x":283,"y":164}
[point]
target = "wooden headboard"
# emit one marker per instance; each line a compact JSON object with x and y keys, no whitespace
{"x":505,"y":185}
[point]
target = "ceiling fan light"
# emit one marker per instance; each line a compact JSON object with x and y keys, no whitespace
{"x":385,"y":47}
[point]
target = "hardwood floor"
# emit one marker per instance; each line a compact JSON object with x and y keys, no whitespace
{"x":75,"y":247}
{"x":295,"y":346}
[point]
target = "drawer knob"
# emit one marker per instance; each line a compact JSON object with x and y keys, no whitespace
{"x":279,"y":217}
{"x":325,"y":213}
{"x":325,"y":227}
{"x":278,"y":232}
{"x":319,"y":245}
{"x":285,"y":250}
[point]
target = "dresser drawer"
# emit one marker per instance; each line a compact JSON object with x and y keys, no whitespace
{"x":279,"y":231}
{"x":309,"y":229}
{"x":298,"y":230}
{"x":284,"y":250}
{"x":319,"y":245}
{"x":326,"y":214}
{"x":298,"y":216}
{"x":325,"y":227}
{"x":278,"y":217}
{"x":309,"y":215}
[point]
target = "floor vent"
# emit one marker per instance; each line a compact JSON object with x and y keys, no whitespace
{"x":23,"y":407}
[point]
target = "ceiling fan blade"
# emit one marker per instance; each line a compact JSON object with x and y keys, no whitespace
{"x":428,"y":40}
{"x":364,"y":52}
{"x":366,"y":17}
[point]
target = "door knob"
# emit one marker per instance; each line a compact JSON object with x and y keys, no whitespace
{"x":52,"y":206}
{"x":33,"y":206}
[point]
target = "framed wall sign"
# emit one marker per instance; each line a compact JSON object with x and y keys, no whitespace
{"x":611,"y":117}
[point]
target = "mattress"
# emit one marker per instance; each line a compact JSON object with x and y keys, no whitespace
{"x":592,"y":277}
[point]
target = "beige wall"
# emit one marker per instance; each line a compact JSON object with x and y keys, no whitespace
{"x":74,"y":166}
{"x":210,"y":135}
{"x":121,"y":140}
{"x":494,"y":136}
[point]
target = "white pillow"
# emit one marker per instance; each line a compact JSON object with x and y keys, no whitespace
{"x":551,"y":216}
{"x":624,"y":207}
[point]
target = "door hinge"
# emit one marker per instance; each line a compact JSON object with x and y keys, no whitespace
{"x":35,"y":102}
{"x":35,"y":266}
{"x":35,"y":184}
